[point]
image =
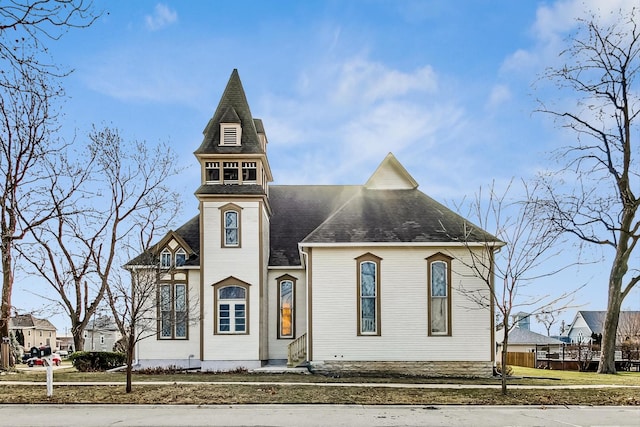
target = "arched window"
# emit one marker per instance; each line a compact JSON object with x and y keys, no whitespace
{"x":368,"y":294}
{"x":181,"y":257}
{"x":286,"y":306}
{"x":231,"y":309}
{"x":165,"y":259}
{"x":439,"y":283}
{"x":231,"y":225}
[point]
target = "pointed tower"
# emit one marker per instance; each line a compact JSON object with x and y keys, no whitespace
{"x":234,"y":224}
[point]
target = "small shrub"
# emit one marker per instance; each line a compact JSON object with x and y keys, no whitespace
{"x":160,"y":370}
{"x":92,"y":361}
{"x":508,"y":371}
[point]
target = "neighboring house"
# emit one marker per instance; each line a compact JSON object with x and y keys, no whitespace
{"x":65,"y":343}
{"x":587,"y":323}
{"x":36,"y":332}
{"x":525,"y":341}
{"x":101,"y":334}
{"x":522,"y":320}
{"x":362,"y":277}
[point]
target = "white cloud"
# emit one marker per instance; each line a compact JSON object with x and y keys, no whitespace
{"x":498,"y":96}
{"x":360,"y":80}
{"x":161,"y":18}
{"x":554,"y":23}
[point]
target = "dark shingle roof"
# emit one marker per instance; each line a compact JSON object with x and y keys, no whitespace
{"x":525,"y":336}
{"x":189,"y":232}
{"x":297,"y":211}
{"x":345,"y":214}
{"x":25,"y":321}
{"x":233,"y":108}
{"x":251,"y":189}
{"x":400,"y":216}
{"x":595,"y":319}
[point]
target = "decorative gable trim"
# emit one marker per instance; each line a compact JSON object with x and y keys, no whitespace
{"x":231,"y":280}
{"x":164,"y":243}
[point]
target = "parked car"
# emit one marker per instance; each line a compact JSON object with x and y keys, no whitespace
{"x":36,"y":361}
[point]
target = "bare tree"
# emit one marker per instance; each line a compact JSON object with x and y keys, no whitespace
{"x":548,"y":319}
{"x":516,"y":255}
{"x":28,"y":120}
{"x":629,"y":326}
{"x":601,"y":208}
{"x":121,"y":193}
{"x":135,"y":304}
{"x":27,"y":25}
{"x":27,"y":126}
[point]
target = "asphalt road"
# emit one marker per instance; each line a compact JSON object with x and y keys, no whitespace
{"x":315,"y":415}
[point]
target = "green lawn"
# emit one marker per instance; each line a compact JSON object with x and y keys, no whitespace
{"x":575,"y":377}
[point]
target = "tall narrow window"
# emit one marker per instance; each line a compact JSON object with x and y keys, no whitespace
{"x":368,"y":294}
{"x":180,"y":308}
{"x":286,"y":306}
{"x":439,"y":272}
{"x":165,"y":259}
{"x":173,"y":318}
{"x":231,"y":223}
{"x":231,"y":228}
{"x":165,"y":311}
{"x":212,"y":170}
{"x":231,"y":310}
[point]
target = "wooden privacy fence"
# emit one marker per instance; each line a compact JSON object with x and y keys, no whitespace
{"x":527,"y":360}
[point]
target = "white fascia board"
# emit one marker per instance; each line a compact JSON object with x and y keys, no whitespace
{"x":402,"y":244}
{"x":284,"y":267}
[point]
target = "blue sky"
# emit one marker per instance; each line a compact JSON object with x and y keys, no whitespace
{"x":446,"y":86}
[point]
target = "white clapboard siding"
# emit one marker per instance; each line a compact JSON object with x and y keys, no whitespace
{"x":403,"y":299}
{"x":220,"y":263}
{"x":278,"y":347}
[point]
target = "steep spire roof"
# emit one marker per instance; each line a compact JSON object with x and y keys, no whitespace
{"x":233,"y":108}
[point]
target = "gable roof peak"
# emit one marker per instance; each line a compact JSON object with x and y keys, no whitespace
{"x":391,"y":175}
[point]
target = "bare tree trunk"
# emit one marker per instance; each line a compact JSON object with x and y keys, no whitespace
{"x":607,"y":364}
{"x":505,"y":344}
{"x":7,"y":277}
{"x":130,"y":351}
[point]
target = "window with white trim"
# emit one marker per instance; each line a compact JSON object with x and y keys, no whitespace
{"x":439,"y":283}
{"x":165,"y":259}
{"x":212,"y":172}
{"x":249,"y":172}
{"x":230,"y":172}
{"x":368,"y":273}
{"x":230,"y":133}
{"x":231,"y":310}
{"x":181,"y":257}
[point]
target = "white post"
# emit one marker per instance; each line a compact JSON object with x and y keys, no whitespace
{"x":49,"y":363}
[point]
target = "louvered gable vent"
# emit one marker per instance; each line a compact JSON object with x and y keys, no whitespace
{"x":230,"y":134}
